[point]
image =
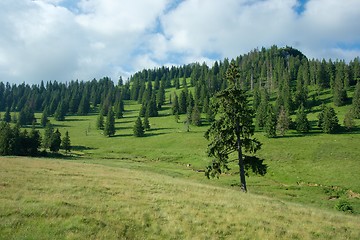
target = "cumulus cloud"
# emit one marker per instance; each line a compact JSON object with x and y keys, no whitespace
{"x":84,"y":39}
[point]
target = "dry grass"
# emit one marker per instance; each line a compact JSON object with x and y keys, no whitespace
{"x":52,"y":199}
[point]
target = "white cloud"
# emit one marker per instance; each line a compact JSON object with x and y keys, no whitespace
{"x":50,"y":39}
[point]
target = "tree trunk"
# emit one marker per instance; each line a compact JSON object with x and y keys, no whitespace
{"x":241,"y":159}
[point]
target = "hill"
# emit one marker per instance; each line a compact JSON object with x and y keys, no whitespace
{"x":54,"y":199}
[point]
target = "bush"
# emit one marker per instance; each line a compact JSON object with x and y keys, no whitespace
{"x":344,"y":206}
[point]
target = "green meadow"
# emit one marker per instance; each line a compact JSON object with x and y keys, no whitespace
{"x":154,"y":187}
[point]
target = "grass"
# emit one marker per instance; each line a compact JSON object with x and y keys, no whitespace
{"x":134,"y":188}
{"x":57,"y":199}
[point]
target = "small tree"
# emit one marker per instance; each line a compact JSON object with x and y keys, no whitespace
{"x":138,"y":128}
{"x":49,"y":131}
{"x":100,"y":121}
{"x":330,"y":122}
{"x":55,"y":141}
{"x":7,"y":115}
{"x":196,"y":116}
{"x":109,"y":129}
{"x":233,"y":129}
{"x":302,"y":123}
{"x":356,"y":102}
{"x":349,"y":122}
{"x":146,"y":123}
{"x":44,"y":117}
{"x":65,"y":143}
{"x":283,"y":121}
{"x":270,"y":123}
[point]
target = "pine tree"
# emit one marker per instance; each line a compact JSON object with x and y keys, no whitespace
{"x":146,"y":123}
{"x":34,"y":141}
{"x":138,"y":128}
{"x":349,"y":122}
{"x":66,"y":143}
{"x":60,"y":112}
{"x":175,"y":105}
{"x":196,"y":116}
{"x":100,"y":121}
{"x":48,"y":133}
{"x":109,"y":129}
{"x":44,"y":117}
{"x":283,"y":121}
{"x":55,"y":141}
{"x":119,"y":109}
{"x":7,"y":116}
{"x":356,"y":102}
{"x":271,"y":121}
{"x":302,"y":123}
{"x":233,"y":129}
{"x":330,"y":122}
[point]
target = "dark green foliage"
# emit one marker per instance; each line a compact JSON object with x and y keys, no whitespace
{"x":339,"y":91}
{"x":233,"y":129}
{"x":182,"y":102}
{"x":44,"y":117}
{"x":66,"y":143}
{"x":283,"y":121}
{"x":262,"y":110}
{"x":356,"y":101}
{"x":146,"y":123}
{"x":100,"y":122}
{"x":48,"y":133}
{"x":109,"y":129}
{"x":196,"y":116}
{"x":329,"y":122}
{"x":55,"y":141}
{"x":60,"y":112}
{"x":302,"y":123}
{"x":7,"y":116}
{"x":344,"y":206}
{"x":6,"y":139}
{"x":175,"y":105}
{"x":349,"y":122}
{"x":26,"y":116}
{"x":84,"y":106}
{"x":271,"y":121}
{"x":138,"y":128}
{"x":119,"y":108}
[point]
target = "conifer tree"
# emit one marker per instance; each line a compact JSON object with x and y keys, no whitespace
{"x":109,"y":128}
{"x":66,"y":143}
{"x":100,"y":121}
{"x":356,"y":102}
{"x":138,"y":128}
{"x":283,"y":121}
{"x":232,"y":131}
{"x":7,"y":116}
{"x":196,"y":116}
{"x":302,"y":123}
{"x":44,"y":117}
{"x":48,"y":133}
{"x":330,"y":122}
{"x":175,"y":105}
{"x":34,"y":141}
{"x":146,"y":122}
{"x":271,"y":121}
{"x":55,"y":141}
{"x":349,"y":122}
{"x":60,"y":112}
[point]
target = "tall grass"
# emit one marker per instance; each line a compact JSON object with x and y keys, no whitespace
{"x":53,"y":199}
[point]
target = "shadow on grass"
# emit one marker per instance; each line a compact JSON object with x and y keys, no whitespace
{"x":81,"y":148}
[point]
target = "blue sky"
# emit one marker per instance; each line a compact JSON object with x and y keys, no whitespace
{"x":84,"y":39}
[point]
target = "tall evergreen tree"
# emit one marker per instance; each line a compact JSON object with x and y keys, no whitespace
{"x":302,"y":123}
{"x":109,"y":129}
{"x":55,"y":141}
{"x":48,"y":133}
{"x":138,"y":128}
{"x":100,"y":121}
{"x":271,"y":121}
{"x":146,"y":122}
{"x":66,"y":143}
{"x":60,"y":112}
{"x":283,"y":121}
{"x":7,"y":115}
{"x":196,"y":116}
{"x":330,"y":122}
{"x":356,"y":102}
{"x":175,"y":105}
{"x":232,"y":131}
{"x":44,"y":117}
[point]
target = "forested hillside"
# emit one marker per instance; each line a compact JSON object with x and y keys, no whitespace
{"x":280,"y":82}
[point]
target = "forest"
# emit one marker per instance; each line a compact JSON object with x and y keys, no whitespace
{"x":279,"y":82}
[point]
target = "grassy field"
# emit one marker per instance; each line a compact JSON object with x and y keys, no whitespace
{"x":59,"y":199}
{"x":135,"y":188}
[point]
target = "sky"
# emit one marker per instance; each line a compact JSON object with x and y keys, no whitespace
{"x":66,"y":40}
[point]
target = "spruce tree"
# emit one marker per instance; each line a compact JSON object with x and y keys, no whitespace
{"x":66,"y":143}
{"x":7,"y":115}
{"x":175,"y":105}
{"x":349,"y":122}
{"x":196,"y":116}
{"x":356,"y":101}
{"x":283,"y":121}
{"x":35,"y":141}
{"x":48,"y":133}
{"x":109,"y":129}
{"x":100,"y":122}
{"x":233,"y":129}
{"x":138,"y":128}
{"x":60,"y":112}
{"x":146,"y":123}
{"x":302,"y":123}
{"x":44,"y":117}
{"x":330,"y":122}
{"x":55,"y":141}
{"x":271,"y":121}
